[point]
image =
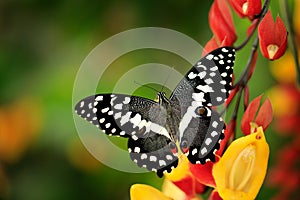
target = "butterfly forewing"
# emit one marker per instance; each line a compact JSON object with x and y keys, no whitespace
{"x":122,"y":115}
{"x":141,"y":120}
{"x":209,"y":81}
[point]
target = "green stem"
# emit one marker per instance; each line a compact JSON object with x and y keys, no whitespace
{"x":259,"y":17}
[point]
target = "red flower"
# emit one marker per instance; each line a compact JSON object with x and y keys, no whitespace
{"x":221,"y":23}
{"x":273,"y":37}
{"x":285,"y":174}
{"x":263,"y":118}
{"x":246,"y":8}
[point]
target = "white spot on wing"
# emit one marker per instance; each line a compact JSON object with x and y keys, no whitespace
{"x":225,"y":50}
{"x":208,"y":81}
{"x":203,"y":150}
{"x":224,"y":74}
{"x":137,"y":149}
{"x":208,"y":141}
{"x":99,"y":98}
{"x":125,"y":118}
{"x":81,"y":104}
{"x":134,"y":137}
{"x":126,"y":100}
{"x":162,"y":163}
{"x":202,"y":74}
{"x":209,"y":56}
{"x":102,"y":120}
{"x":215,"y":124}
{"x":144,"y":156}
{"x":118,"y":115}
{"x":215,"y":68}
{"x":219,"y":99}
{"x":153,"y":158}
{"x":118,"y":106}
{"x":104,"y":110}
{"x":192,"y":75}
{"x":136,"y":120}
{"x":214,"y":133}
{"x":169,"y":157}
{"x":198,"y":97}
{"x":205,"y":88}
{"x":194,"y":151}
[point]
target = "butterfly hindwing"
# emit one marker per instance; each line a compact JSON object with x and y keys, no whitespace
{"x":153,"y":153}
{"x":201,"y":135}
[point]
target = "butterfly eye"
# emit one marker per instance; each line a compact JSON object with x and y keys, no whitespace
{"x":173,"y":147}
{"x":202,"y":111}
{"x":184,"y":146}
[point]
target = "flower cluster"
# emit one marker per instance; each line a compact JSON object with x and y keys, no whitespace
{"x":285,"y":97}
{"x":241,"y":163}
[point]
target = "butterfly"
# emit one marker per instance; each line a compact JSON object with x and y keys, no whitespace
{"x":159,"y":131}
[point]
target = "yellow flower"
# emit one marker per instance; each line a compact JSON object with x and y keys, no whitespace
{"x":146,"y":192}
{"x":170,"y":191}
{"x":240,"y":172}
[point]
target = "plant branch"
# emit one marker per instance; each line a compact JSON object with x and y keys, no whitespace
{"x":244,"y":77}
{"x":259,"y":17}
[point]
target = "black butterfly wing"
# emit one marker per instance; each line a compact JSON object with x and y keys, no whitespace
{"x":154,"y":153}
{"x":141,"y":120}
{"x":202,"y":134}
{"x":207,"y":84}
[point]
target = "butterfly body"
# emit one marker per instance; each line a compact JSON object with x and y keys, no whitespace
{"x":158,"y":131}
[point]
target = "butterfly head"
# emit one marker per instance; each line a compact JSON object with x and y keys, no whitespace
{"x":161,"y":98}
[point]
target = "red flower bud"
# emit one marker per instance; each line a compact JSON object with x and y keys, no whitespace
{"x":263,"y":118}
{"x":246,"y":8}
{"x":221,"y":23}
{"x":272,"y":37}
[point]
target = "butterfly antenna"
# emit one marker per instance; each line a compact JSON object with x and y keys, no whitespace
{"x":163,"y":86}
{"x":147,"y":86}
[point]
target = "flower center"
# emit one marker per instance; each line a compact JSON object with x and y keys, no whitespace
{"x":245,"y":7}
{"x":272,"y":50}
{"x":241,"y":173}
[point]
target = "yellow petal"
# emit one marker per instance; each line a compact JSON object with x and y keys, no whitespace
{"x":172,"y":191}
{"x":240,"y":172}
{"x":146,"y":192}
{"x":181,"y":171}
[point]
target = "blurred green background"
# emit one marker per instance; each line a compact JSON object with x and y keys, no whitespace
{"x":42,"y":45}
